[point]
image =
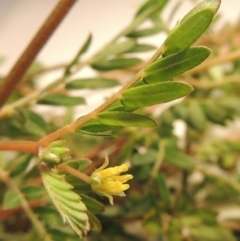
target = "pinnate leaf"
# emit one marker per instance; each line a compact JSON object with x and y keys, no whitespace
{"x":67,"y":202}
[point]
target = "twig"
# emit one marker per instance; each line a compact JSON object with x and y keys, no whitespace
{"x":74,"y":172}
{"x":15,"y":75}
{"x":22,"y":146}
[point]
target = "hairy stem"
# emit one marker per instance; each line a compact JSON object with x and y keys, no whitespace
{"x":22,"y":146}
{"x":15,"y":75}
{"x":74,"y":172}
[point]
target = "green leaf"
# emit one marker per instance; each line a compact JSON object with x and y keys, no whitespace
{"x":162,"y":188}
{"x":31,"y":122}
{"x":147,"y":95}
{"x":20,"y":164}
{"x":118,"y":106}
{"x":60,"y":235}
{"x":92,"y":205}
{"x":216,"y":113}
{"x":117,"y":63}
{"x":196,"y":116}
{"x":185,"y":34}
{"x":138,"y":48}
{"x":114,"y":49}
{"x":67,"y":202}
{"x":82,"y":50}
{"x":159,"y":5}
{"x":59,"y":99}
{"x":144,"y":32}
{"x":212,"y":233}
{"x":33,"y":192}
{"x":94,"y":222}
{"x":180,"y":111}
{"x":84,"y":164}
{"x":11,"y":200}
{"x":149,"y":157}
{"x":178,"y":159}
{"x":207,"y":4}
{"x":95,"y":126}
{"x":120,"y":118}
{"x":175,"y":64}
{"x":92,"y":83}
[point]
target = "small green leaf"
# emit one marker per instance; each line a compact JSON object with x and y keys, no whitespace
{"x":120,"y":118}
{"x":185,"y":34}
{"x":175,"y":64}
{"x":212,"y":233}
{"x":33,"y":192}
{"x":82,"y":50}
{"x":95,"y":126}
{"x":117,"y":63}
{"x":144,"y":32}
{"x":114,"y":49}
{"x":92,"y":83}
{"x":61,"y":235}
{"x":92,"y":205}
{"x":162,"y":188}
{"x":67,"y":202}
{"x":158,"y":5}
{"x":149,"y":157}
{"x":84,"y":164}
{"x":59,"y":99}
{"x":147,"y":95}
{"x":180,"y":111}
{"x":118,"y":106}
{"x":196,"y":116}
{"x":209,"y":4}
{"x":31,"y":122}
{"x":20,"y":164}
{"x":178,"y":159}
{"x":216,"y":113}
{"x":11,"y":200}
{"x":94,"y":222}
{"x":138,"y":48}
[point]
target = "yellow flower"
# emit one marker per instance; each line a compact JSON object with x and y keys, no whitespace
{"x":108,"y":182}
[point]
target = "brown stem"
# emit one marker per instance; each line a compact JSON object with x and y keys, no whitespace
{"x":23,"y":146}
{"x":46,"y":140}
{"x":27,"y":57}
{"x":74,"y":172}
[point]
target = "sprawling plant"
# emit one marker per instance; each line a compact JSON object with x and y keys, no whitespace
{"x":80,"y":171}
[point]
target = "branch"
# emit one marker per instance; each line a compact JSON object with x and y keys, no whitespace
{"x":15,"y":75}
{"x":22,"y":146}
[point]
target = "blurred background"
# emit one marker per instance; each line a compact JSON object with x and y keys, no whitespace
{"x":20,"y":19}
